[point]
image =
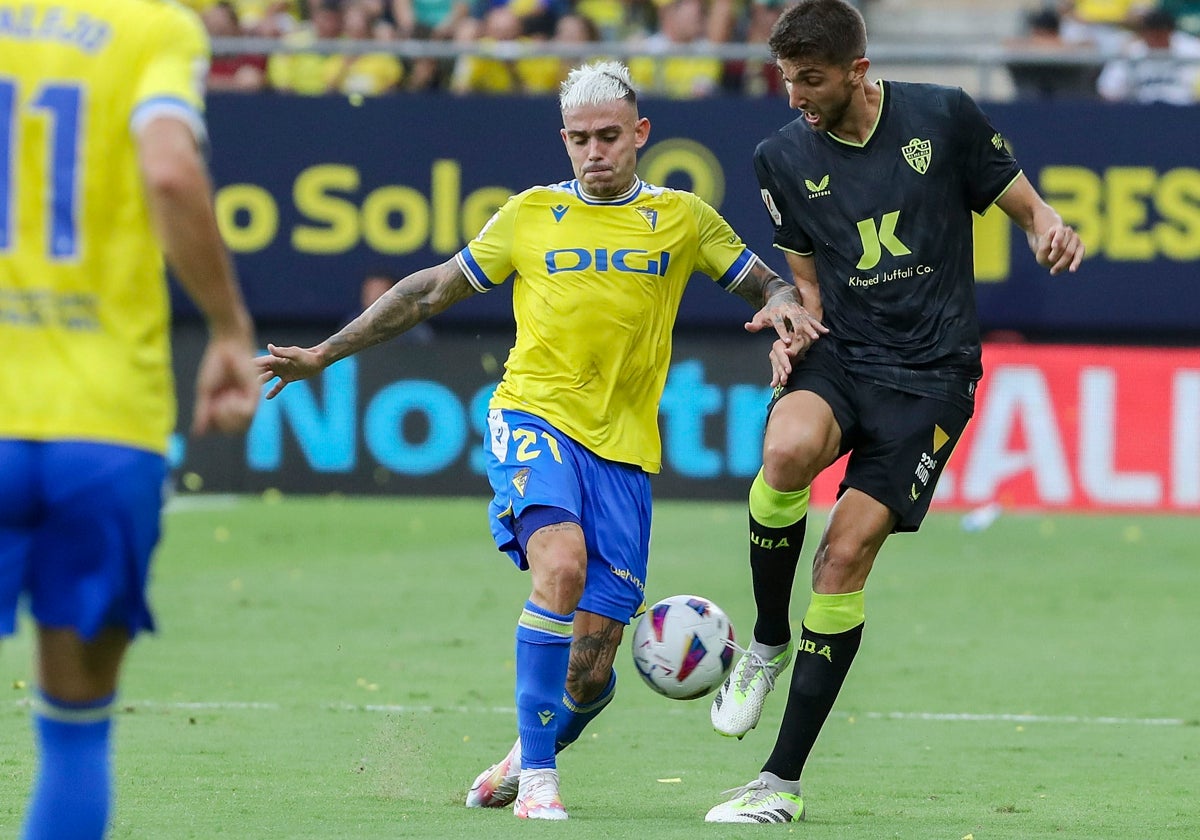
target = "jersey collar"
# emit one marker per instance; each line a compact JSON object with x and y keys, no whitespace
{"x":883,"y":104}
{"x":624,"y":198}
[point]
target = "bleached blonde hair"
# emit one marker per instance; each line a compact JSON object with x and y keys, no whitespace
{"x":597,"y":83}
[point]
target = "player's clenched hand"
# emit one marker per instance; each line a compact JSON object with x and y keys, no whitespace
{"x":289,"y":364}
{"x":1059,"y":249}
{"x":226,"y":387}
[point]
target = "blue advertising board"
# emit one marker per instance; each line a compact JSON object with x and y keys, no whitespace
{"x":409,"y":417}
{"x":313,"y":193}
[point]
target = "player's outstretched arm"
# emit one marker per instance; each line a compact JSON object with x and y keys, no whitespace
{"x":418,"y":296}
{"x":1055,"y":245}
{"x":179,"y":195}
{"x":781,"y":307}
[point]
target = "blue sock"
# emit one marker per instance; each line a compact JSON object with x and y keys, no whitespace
{"x":575,"y":716}
{"x":543,"y":651}
{"x":72,"y":791}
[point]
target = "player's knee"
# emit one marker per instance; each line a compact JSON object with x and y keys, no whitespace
{"x":789,"y":465}
{"x":792,"y":457}
{"x":558,"y":583}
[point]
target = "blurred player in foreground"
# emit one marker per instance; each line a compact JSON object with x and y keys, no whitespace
{"x":598,"y":266}
{"x":100,"y":116}
{"x":871,"y":192}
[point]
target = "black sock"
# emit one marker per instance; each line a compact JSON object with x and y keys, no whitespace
{"x":822,"y":662}
{"x":774,"y":554}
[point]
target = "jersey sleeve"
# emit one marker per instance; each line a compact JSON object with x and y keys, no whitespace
{"x":990,"y":167}
{"x":721,"y":253}
{"x":172,"y":76}
{"x":487,"y":260}
{"x":788,"y":234}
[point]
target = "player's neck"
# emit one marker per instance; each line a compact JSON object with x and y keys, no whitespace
{"x":862,"y":115}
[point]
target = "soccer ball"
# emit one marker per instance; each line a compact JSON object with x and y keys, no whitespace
{"x":683,"y":646}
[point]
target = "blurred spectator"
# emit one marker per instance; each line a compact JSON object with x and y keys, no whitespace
{"x":508,"y":69}
{"x":721,"y":20}
{"x":373,"y":287}
{"x":270,"y":18}
{"x":574,"y":29}
{"x":480,"y":74}
{"x":681,"y":23}
{"x":1161,"y":65}
{"x":641,"y":19}
{"x":309,"y":73}
{"x":537,"y":17}
{"x":1103,"y":24}
{"x":756,"y":78}
{"x":1049,"y":79}
{"x":243,"y":72}
{"x":428,"y":20}
{"x":367,"y":74}
{"x":608,"y":17}
{"x":1186,"y":13}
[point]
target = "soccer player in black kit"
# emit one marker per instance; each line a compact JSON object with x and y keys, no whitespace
{"x":871,"y":192}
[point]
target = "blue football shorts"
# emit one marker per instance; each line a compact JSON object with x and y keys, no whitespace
{"x":78,"y":525}
{"x":534,"y":467}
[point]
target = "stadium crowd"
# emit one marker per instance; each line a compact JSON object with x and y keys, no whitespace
{"x":1130,"y":50}
{"x":1146,"y":51}
{"x":654,"y":24}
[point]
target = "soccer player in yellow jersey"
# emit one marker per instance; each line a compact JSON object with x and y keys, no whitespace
{"x":100,"y":116}
{"x":598,"y":265}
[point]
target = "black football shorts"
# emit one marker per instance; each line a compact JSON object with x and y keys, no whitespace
{"x":898,"y":441}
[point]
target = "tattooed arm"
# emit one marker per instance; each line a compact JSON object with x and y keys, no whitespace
{"x":782,"y":305}
{"x":417,"y":297}
{"x":804,"y":274}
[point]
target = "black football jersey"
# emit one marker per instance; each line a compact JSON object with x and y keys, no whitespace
{"x":889,"y":225}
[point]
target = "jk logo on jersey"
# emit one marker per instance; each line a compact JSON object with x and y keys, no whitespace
{"x":917,"y":153}
{"x":875,"y":239}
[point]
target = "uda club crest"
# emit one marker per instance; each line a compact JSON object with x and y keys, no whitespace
{"x":917,"y":153}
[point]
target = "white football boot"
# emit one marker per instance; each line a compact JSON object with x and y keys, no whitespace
{"x":739,"y":701}
{"x":496,"y":787}
{"x":538,"y":797}
{"x":760,"y":801}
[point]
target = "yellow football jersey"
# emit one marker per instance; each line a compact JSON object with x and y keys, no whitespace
{"x":83,"y":298}
{"x":597,"y":286}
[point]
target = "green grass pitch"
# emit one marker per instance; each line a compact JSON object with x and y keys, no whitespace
{"x":342,"y":668}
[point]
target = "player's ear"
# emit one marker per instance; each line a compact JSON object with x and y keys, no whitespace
{"x":641,"y":132}
{"x":858,"y":69}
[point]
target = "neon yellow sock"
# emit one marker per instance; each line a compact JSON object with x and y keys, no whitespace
{"x":776,"y":509}
{"x":833,"y":614}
